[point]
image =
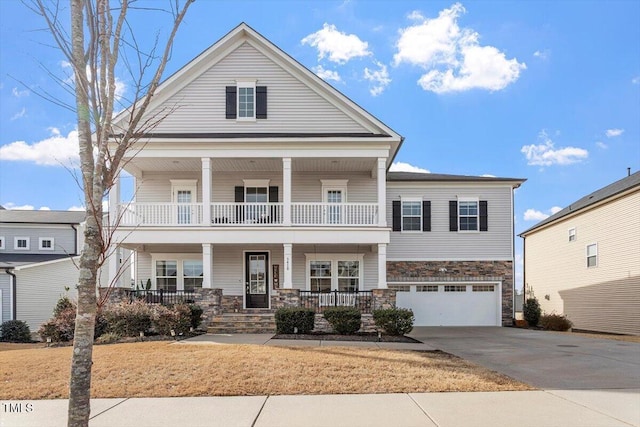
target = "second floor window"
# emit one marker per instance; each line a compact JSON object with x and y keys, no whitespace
{"x":572,"y":234}
{"x":21,"y":243}
{"x":468,"y":215}
{"x":412,"y":215}
{"x":246,"y":102}
{"x":46,"y":244}
{"x":592,"y":255}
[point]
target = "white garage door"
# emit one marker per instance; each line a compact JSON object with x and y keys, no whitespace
{"x":473,"y":304}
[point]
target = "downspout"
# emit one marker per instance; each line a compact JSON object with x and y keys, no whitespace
{"x":14,"y":305}
{"x":75,"y":239}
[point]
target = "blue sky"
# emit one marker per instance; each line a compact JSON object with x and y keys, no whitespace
{"x":548,"y":91}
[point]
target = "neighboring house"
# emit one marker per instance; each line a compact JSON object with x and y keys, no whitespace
{"x":36,"y":266}
{"x":584,"y":261}
{"x":268,"y":184}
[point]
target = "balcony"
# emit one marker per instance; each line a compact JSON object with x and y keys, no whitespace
{"x":248,"y":214}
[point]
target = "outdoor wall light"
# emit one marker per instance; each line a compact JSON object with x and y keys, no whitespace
{"x":295,"y":329}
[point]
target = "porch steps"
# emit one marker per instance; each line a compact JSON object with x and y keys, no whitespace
{"x":242,"y":323}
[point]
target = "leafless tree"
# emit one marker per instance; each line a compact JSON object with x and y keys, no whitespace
{"x":99,"y":37}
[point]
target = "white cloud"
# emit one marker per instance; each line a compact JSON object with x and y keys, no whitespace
{"x":545,"y":153}
{"x":379,"y":79}
{"x":636,"y":80}
{"x":76,"y":208}
{"x":44,"y":208}
{"x":339,"y":47}
{"x":452,"y":57}
{"x":20,"y":114}
{"x":406,"y":167}
{"x":542,"y":54}
{"x":105,"y":207}
{"x":14,"y":207}
{"x":611,"y":133}
{"x":57,"y":150}
{"x":488,"y":175}
{"x":20,"y":93}
{"x":535,"y":215}
{"x":602,"y":145}
{"x":325,"y":74}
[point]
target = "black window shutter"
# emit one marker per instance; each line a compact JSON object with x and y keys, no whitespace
{"x":426,"y":215}
{"x":273,"y":194}
{"x":397,"y":217}
{"x":261,"y":102}
{"x":239,"y":194}
{"x":453,"y":215}
{"x":231,"y":102}
{"x":484,"y":220}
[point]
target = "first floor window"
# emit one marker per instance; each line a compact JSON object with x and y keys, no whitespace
{"x":179,"y":274}
{"x":167,"y":275}
{"x":592,"y":255}
{"x":21,"y":243}
{"x":335,"y":272}
{"x":192,"y":274}
{"x":412,"y":215}
{"x":320,"y":276}
{"x":468,"y":215}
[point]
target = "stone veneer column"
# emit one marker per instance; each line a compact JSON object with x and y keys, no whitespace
{"x":210,"y":300}
{"x":383,"y":298}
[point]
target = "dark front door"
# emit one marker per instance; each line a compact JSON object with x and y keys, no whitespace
{"x":256,"y":279}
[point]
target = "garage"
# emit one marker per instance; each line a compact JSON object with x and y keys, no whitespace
{"x":451,"y":304}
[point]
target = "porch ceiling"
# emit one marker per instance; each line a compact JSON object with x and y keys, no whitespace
{"x":250,"y":165}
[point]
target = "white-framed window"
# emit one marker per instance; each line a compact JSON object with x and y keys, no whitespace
{"x":1,"y":242}
{"x":246,"y":100}
{"x":256,"y":197}
{"x":400,"y":288}
{"x":411,"y":213}
{"x":572,"y":234}
{"x":21,"y":243}
{"x":592,"y":255}
{"x":177,"y":272}
{"x":483,"y":288}
{"x":427,"y":288}
{"x":455,"y":288}
{"x":468,"y":214}
{"x":46,"y":243}
{"x":334,"y":272}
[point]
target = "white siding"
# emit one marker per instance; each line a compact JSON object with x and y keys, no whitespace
{"x":64,"y":238}
{"x":5,"y":290}
{"x":156,"y":186}
{"x":40,"y":287}
{"x":292,"y":106}
{"x":442,"y":244}
{"x":307,"y":186}
{"x":554,"y":264}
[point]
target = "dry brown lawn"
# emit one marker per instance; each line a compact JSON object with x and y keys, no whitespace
{"x":161,"y":369}
{"x":626,"y":338}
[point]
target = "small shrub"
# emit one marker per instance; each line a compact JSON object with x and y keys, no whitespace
{"x":343,"y":320}
{"x":15,"y":331}
{"x":196,"y":315}
{"x":176,"y":318}
{"x":394,"y":321}
{"x":531,"y":311}
{"x":63,"y":304}
{"x":295,"y":317}
{"x":555,"y":322}
{"x":61,"y":326}
{"x":128,"y":319}
{"x":107,"y":338}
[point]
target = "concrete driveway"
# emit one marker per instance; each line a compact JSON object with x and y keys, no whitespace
{"x":546,"y":360}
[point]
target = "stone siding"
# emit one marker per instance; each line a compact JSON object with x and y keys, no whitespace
{"x":367,"y":325}
{"x":210,"y":300}
{"x":284,"y":298}
{"x":232,"y":303}
{"x":451,"y":271}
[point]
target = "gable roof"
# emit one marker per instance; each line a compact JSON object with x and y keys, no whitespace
{"x":8,"y":261}
{"x":243,"y":33}
{"x":439,"y":177}
{"x":41,"y":217}
{"x":589,"y":200}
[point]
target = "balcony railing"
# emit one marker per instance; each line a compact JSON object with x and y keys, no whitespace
{"x":319,"y":301}
{"x":248,"y":214}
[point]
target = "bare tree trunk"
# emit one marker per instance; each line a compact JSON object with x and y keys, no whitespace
{"x":93,"y":51}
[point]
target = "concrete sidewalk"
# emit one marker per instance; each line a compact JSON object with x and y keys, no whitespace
{"x":566,"y":408}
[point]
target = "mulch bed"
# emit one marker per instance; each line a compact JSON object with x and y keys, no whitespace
{"x":361,"y":336}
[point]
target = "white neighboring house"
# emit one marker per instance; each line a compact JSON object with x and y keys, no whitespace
{"x":36,"y":252}
{"x":584,"y":261}
{"x":266,"y":182}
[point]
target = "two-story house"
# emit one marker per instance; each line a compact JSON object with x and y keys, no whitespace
{"x":584,"y":261}
{"x":36,"y":262}
{"x":267,"y":184}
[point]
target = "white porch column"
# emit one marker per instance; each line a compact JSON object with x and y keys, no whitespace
{"x":206,"y":191}
{"x":288,"y":266}
{"x":382,"y":192}
{"x":115,"y":278}
{"x":286,"y":190}
{"x":382,"y":266}
{"x":207,"y":266}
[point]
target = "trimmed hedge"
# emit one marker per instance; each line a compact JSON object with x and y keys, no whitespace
{"x":295,"y":317}
{"x":167,"y":319}
{"x":343,"y":320}
{"x":555,"y":322}
{"x":196,"y":315}
{"x":394,"y":321}
{"x":15,"y":331}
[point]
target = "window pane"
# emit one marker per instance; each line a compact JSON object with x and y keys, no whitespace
{"x":411,"y":224}
{"x":349,"y":285}
{"x":191,"y":283}
{"x":169,"y":284}
{"x":320,"y":268}
{"x":591,"y":250}
{"x":468,"y":223}
{"x":245,"y":102}
{"x":192,"y":268}
{"x":166,"y":268}
{"x":321,"y":285}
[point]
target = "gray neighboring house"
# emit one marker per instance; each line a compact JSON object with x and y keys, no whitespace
{"x":37,"y":251}
{"x":584,"y":261}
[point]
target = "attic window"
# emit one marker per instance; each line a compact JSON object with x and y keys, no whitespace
{"x":246,"y":101}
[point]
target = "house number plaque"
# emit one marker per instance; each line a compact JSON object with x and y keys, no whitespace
{"x":276,"y":276}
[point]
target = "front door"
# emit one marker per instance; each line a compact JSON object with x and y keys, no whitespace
{"x":334,"y":213}
{"x":257,"y":279}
